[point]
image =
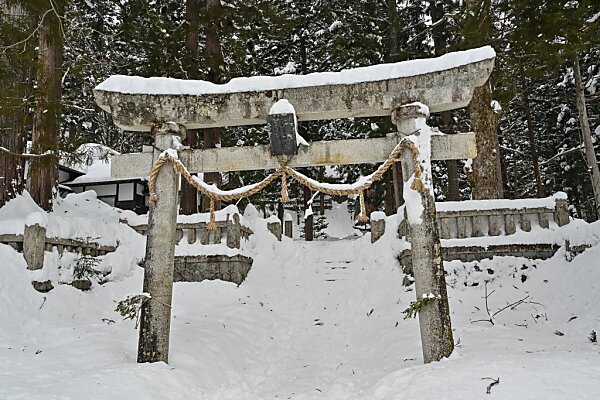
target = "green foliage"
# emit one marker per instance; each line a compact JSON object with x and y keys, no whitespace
{"x":416,"y":306}
{"x":85,"y":268}
{"x":319,"y":225}
{"x":535,"y":40}
{"x":131,"y":306}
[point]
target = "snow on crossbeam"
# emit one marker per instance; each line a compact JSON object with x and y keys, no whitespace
{"x":443,"y":83}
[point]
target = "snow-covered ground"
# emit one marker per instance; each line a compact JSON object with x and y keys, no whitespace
{"x":320,"y":320}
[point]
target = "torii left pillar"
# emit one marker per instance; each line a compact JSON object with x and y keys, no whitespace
{"x":155,"y":323}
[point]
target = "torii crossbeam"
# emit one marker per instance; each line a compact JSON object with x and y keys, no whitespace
{"x":168,"y":106}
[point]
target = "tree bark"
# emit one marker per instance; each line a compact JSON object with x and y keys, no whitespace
{"x":389,"y":194}
{"x":12,"y":138}
{"x":531,"y":136}
{"x":214,"y":62}
{"x":440,"y":44}
{"x":483,"y":176}
{"x":15,"y":84}
{"x":308,"y":222}
{"x":189,"y":195}
{"x":43,"y":174}
{"x":586,"y":133}
{"x":392,"y":56}
{"x":393,"y":30}
{"x":398,"y":186}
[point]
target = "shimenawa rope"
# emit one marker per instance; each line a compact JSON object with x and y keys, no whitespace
{"x":284,"y":171}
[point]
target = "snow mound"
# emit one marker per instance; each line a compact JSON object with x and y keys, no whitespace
{"x":313,"y":320}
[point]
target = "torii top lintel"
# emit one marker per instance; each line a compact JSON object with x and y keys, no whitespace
{"x":443,"y":83}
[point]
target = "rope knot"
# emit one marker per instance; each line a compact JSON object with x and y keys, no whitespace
{"x":212,"y":225}
{"x":363,"y":218}
{"x":284,"y":193}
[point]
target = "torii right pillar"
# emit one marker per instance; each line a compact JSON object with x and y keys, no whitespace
{"x":428,"y":268}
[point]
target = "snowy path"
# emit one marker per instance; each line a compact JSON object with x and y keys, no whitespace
{"x":317,"y":324}
{"x":318,"y":320}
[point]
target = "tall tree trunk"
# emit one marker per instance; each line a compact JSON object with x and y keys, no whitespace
{"x":389,"y":201}
{"x":392,"y":30}
{"x":440,"y":44}
{"x":586,"y":133}
{"x":308,"y":222}
{"x":392,"y":56}
{"x":483,"y":177}
{"x":15,"y":84}
{"x":503,"y":170}
{"x":214,"y":62}
{"x":397,"y":179}
{"x":189,"y":195}
{"x":531,"y":136}
{"x":43,"y":178}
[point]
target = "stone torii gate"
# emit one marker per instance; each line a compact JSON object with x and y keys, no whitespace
{"x":167,"y":107}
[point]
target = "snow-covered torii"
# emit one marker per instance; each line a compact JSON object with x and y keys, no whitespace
{"x":406,"y":91}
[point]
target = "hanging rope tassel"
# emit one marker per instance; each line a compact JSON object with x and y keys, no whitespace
{"x":284,"y":193}
{"x":362,"y":217}
{"x":417,"y":184}
{"x":212,"y":225}
{"x":153,"y":175}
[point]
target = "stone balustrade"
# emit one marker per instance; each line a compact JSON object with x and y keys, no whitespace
{"x":33,"y":243}
{"x":231,"y":229}
{"x":470,"y":219}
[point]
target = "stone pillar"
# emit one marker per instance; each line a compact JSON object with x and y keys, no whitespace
{"x":377,"y":225}
{"x":561,"y":213}
{"x":160,"y":251}
{"x":434,"y":317}
{"x":233,"y":232}
{"x":288,"y":225}
{"x":275,"y":228}
{"x":34,"y":243}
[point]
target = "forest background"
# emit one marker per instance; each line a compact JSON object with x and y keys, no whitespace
{"x":54,"y":52}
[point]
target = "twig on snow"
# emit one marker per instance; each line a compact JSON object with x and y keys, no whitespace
{"x":492,"y":384}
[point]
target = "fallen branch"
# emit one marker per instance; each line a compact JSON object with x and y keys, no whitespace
{"x":491,"y":385}
{"x":512,"y":306}
{"x":487,"y":308}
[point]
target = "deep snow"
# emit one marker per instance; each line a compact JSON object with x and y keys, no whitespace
{"x":320,"y":320}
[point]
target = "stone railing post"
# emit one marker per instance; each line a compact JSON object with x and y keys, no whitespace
{"x":377,"y":225}
{"x":434,"y":316}
{"x":155,"y":322}
{"x":561,"y":213}
{"x":275,"y":228}
{"x":233,"y":232}
{"x":34,"y":243}
{"x":288,"y":225}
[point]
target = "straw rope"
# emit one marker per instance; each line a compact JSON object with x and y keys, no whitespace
{"x":284,"y":171}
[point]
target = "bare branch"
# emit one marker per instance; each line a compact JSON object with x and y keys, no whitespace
{"x":20,"y":42}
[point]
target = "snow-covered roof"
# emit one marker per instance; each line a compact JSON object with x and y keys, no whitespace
{"x":380,"y":72}
{"x":93,"y":161}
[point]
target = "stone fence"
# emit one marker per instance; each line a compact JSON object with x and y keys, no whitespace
{"x":231,"y":229}
{"x":33,"y":243}
{"x":471,"y":221}
{"x":490,"y":218}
